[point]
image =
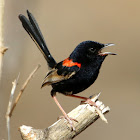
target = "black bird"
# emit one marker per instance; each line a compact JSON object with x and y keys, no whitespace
{"x":74,"y":74}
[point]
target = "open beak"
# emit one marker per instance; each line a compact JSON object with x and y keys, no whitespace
{"x":106,"y":53}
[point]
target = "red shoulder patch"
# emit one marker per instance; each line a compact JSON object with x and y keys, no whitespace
{"x":69,"y":63}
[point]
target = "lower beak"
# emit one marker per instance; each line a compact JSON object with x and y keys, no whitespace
{"x":107,"y":53}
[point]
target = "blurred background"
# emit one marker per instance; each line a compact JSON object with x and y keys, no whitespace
{"x":64,"y":25}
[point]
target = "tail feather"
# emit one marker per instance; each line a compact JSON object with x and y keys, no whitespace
{"x":36,"y":27}
{"x":34,"y":31}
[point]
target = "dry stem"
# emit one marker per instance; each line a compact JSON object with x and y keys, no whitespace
{"x":60,"y":130}
{"x":10,"y":105}
{"x":2,"y":48}
{"x":22,"y":89}
{"x":11,"y":108}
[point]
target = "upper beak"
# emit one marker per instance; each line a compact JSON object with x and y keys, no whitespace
{"x":107,"y":53}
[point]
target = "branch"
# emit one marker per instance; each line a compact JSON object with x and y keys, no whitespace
{"x":11,"y":108}
{"x":22,"y":89}
{"x":10,"y":105}
{"x":2,"y":48}
{"x":84,"y":114}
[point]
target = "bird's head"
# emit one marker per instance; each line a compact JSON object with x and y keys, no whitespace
{"x":90,"y":50}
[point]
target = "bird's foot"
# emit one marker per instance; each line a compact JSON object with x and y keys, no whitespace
{"x":97,"y":108}
{"x":91,"y":103}
{"x":70,"y":121}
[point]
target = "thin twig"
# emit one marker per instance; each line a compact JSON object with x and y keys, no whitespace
{"x":11,"y":108}
{"x":2,"y":3}
{"x":2,"y":48}
{"x":22,"y":89}
{"x":10,"y":105}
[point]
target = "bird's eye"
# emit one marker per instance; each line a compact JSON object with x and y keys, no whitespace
{"x":93,"y":50}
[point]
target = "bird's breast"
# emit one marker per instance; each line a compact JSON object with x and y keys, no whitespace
{"x":78,"y":82}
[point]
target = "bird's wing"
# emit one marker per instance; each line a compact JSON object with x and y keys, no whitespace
{"x":63,"y":71}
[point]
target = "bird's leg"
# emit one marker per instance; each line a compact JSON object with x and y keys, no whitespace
{"x":87,"y":100}
{"x":53,"y":93}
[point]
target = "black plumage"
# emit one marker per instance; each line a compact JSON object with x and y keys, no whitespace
{"x":74,"y":74}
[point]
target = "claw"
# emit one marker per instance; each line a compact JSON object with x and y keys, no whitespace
{"x":69,"y":119}
{"x":91,"y":103}
{"x":97,"y":108}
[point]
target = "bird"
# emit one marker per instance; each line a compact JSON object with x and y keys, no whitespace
{"x":73,"y":74}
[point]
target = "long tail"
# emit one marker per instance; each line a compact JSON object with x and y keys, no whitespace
{"x":34,"y":31}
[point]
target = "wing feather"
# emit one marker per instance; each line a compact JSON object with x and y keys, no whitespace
{"x":59,"y":73}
